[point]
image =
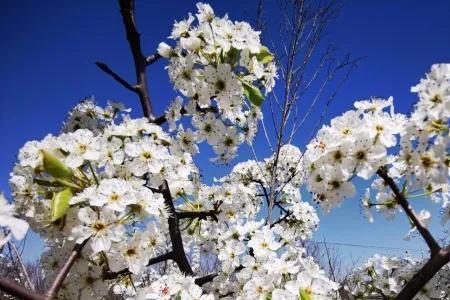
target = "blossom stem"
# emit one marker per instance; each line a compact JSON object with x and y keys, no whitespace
{"x":93,"y":173}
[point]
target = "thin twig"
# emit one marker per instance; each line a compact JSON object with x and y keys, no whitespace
{"x":104,"y":67}
{"x":22,"y":266}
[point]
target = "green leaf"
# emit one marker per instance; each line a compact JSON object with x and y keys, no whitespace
{"x":232,"y":56}
{"x":252,"y":93}
{"x":60,"y":204}
{"x":304,"y":295}
{"x":264,"y":56}
{"x":55,"y":167}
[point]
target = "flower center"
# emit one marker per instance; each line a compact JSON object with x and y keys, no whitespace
{"x":98,"y":227}
{"x":220,"y":85}
{"x":146,"y":155}
{"x":360,"y":155}
{"x":114,"y":197}
{"x":131,"y":252}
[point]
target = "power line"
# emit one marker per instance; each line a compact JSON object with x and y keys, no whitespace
{"x":370,"y":246}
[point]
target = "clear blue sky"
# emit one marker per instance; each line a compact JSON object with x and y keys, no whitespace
{"x":48,"y":50}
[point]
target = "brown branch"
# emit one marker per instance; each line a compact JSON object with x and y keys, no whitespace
{"x":152,"y":58}
{"x":65,"y":269}
{"x":116,"y":77}
{"x":421,"y":278}
{"x":140,"y":61}
{"x":403,"y":202}
{"x":19,"y":291}
{"x":141,"y":89}
{"x":153,"y":261}
{"x":205,"y":279}
{"x":202,"y":215}
{"x":282,"y":219}
{"x":179,"y":256}
{"x":208,"y":278}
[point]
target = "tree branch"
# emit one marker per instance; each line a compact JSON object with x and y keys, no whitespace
{"x":140,"y":62}
{"x":420,"y":279}
{"x":282,"y":219}
{"x":19,"y":291}
{"x":202,"y":215}
{"x":179,"y":256}
{"x":153,"y":261}
{"x":22,"y":266}
{"x":141,"y":89}
{"x":65,"y":269}
{"x":116,"y":77}
{"x":152,"y":58}
{"x":205,"y":279}
{"x":403,"y":202}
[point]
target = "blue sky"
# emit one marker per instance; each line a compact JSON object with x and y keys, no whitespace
{"x":48,"y":50}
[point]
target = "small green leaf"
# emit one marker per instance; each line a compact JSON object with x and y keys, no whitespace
{"x":252,"y":93}
{"x":232,"y":56}
{"x":55,"y":167}
{"x":264,"y":56}
{"x":60,"y":204}
{"x":304,"y":295}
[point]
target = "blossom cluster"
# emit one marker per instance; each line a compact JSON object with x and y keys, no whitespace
{"x":102,"y":185}
{"x":384,"y":277}
{"x":221,"y":67}
{"x":354,"y":144}
{"x":361,"y":141}
{"x":116,"y":184}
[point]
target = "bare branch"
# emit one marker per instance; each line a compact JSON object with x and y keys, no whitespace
{"x":140,"y":61}
{"x":202,"y":215}
{"x":205,"y":279}
{"x":116,"y":77}
{"x":19,"y":291}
